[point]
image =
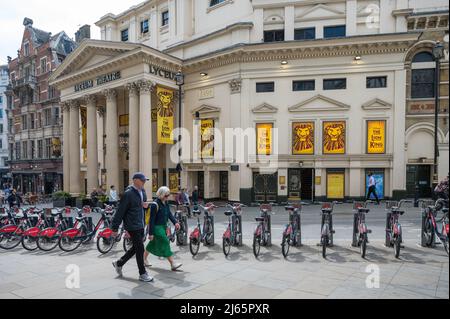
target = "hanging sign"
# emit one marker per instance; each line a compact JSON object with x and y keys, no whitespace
{"x":165,"y":115}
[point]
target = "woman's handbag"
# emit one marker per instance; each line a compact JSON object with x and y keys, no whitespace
{"x":148,"y":212}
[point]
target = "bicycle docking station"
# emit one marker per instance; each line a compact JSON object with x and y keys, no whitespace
{"x":239,"y":230}
{"x":298,"y":242}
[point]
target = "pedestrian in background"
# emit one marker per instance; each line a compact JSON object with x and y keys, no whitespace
{"x":372,"y":188}
{"x":113,"y":198}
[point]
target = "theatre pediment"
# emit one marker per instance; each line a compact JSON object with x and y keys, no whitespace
{"x":319,"y":103}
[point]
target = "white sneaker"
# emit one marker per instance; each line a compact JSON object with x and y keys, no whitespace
{"x":146,"y":278}
{"x":118,"y":269}
{"x":176,"y":266}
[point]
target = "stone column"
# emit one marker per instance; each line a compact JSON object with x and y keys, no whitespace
{"x":75,"y":179}
{"x":112,"y":140}
{"x":351,"y":17}
{"x":289,"y":23}
{"x":133,"y":143}
{"x":66,"y":145}
{"x":92,"y":146}
{"x":145,"y":132}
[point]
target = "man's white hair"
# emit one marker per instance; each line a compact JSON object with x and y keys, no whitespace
{"x":162,"y":192}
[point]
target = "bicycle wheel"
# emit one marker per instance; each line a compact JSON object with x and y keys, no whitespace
{"x":45,"y":243}
{"x":29,"y":243}
{"x":104,"y":245}
{"x":363,"y":246}
{"x":397,"y":247}
{"x":324,"y":246}
{"x":68,"y":244}
{"x":428,"y":233}
{"x":10,"y":241}
{"x":256,"y":245}
{"x":194,"y":246}
{"x":226,"y":246}
{"x":181,"y":235}
{"x":285,"y":244}
{"x":127,"y":244}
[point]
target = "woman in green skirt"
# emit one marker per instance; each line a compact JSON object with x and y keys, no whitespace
{"x":159,"y":244}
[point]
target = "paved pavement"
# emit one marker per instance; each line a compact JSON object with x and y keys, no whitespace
{"x":419,"y":273}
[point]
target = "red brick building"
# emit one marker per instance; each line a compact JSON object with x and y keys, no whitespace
{"x":35,"y":124}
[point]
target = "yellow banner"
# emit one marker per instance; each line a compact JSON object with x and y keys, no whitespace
{"x":334,"y":137}
{"x":173,"y":182}
{"x":335,"y":185}
{"x":56,"y":147}
{"x":376,"y":137}
{"x":207,"y":137}
{"x":303,"y":138}
{"x":165,"y":115}
{"x":83,"y":112}
{"x":155,"y":181}
{"x":264,"y":138}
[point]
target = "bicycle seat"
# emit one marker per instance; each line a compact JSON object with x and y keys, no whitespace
{"x":259,"y":219}
{"x":327,"y":210}
{"x":363,"y":210}
{"x":57,"y":213}
{"x":228,"y":213}
{"x":80,"y":218}
{"x":19,"y":216}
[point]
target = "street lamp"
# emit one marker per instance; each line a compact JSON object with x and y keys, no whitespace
{"x":179,"y":78}
{"x":438,"y":54}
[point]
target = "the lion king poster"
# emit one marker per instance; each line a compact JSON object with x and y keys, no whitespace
{"x":334,"y":137}
{"x":165,"y":119}
{"x":303,"y":138}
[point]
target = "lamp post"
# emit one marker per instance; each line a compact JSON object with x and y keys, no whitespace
{"x":438,"y":54}
{"x":179,"y":77}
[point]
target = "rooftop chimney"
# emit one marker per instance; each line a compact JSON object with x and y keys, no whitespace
{"x":83,"y":33}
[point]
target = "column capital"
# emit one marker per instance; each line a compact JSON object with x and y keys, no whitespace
{"x":101,"y":111}
{"x":110,"y":94}
{"x":65,"y":106}
{"x":74,"y":104}
{"x":146,"y":86}
{"x":90,"y":99}
{"x":133,"y":88}
{"x":235,"y":85}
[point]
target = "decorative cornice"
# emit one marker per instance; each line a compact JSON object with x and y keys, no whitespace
{"x":297,"y":50}
{"x":207,"y":111}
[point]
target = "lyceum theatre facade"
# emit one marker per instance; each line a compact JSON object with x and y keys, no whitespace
{"x":322,"y":84}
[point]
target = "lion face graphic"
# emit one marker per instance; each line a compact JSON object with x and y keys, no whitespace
{"x":165,"y":108}
{"x":303,"y":137}
{"x":334,"y":137}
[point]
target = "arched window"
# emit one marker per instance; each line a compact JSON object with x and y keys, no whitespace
{"x":423,"y":57}
{"x":422,"y":76}
{"x":214,"y":2}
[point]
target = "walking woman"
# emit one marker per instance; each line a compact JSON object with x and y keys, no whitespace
{"x":159,"y":244}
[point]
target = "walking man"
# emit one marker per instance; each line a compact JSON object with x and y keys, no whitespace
{"x":372,"y":188}
{"x":131,"y":212}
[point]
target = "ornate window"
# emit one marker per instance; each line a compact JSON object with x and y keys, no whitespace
{"x":422,"y":76}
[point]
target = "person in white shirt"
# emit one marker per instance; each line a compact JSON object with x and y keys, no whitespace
{"x":372,"y":188}
{"x":113,"y":198}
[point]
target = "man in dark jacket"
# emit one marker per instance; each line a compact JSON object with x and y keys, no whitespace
{"x":14,"y":199}
{"x":131,"y":213}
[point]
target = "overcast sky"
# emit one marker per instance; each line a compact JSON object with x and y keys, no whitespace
{"x":52,"y":16}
